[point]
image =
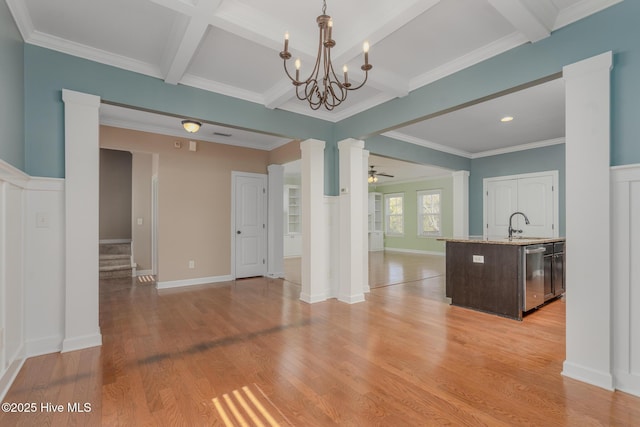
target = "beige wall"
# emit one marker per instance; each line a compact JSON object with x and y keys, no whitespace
{"x":141,"y":173}
{"x":285,"y":153}
{"x":194,"y":198}
{"x":115,"y":195}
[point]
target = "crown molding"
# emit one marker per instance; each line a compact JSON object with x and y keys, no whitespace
{"x":462,"y":153}
{"x":521,"y":147}
{"x":97,"y":55}
{"x":424,"y":143}
{"x":574,"y":13}
{"x":124,"y":124}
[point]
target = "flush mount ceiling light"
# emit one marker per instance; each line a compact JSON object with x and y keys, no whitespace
{"x":323,"y":87}
{"x":191,"y":126}
{"x":506,"y":119}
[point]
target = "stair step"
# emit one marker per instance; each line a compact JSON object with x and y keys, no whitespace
{"x":115,"y":267}
{"x":118,"y":256}
{"x":115,"y":249}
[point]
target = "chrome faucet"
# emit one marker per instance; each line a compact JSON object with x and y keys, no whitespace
{"x":513,"y":230}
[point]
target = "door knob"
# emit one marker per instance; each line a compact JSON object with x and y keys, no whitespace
{"x":238,"y":232}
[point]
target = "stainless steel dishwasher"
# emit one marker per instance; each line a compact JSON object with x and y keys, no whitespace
{"x":533,"y":269}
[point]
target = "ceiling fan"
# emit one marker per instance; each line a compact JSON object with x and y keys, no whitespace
{"x":374,"y":174}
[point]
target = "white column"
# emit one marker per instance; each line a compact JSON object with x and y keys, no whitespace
{"x":352,"y":215}
{"x":81,"y":130}
{"x":315,"y":277}
{"x":460,"y":203}
{"x":275,"y":225}
{"x":588,"y":272}
{"x":365,"y":223}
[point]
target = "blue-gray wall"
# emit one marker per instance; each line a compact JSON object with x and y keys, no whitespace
{"x":529,"y":161}
{"x":11,"y":90}
{"x":47,"y":72}
{"x":614,"y":29}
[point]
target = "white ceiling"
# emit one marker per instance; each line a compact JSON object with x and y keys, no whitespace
{"x":231,"y":47}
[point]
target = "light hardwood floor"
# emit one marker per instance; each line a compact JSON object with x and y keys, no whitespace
{"x":208,"y":355}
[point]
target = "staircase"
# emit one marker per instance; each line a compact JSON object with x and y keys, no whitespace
{"x":115,"y":260}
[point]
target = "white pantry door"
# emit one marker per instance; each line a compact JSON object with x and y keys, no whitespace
{"x":532,"y":194}
{"x":250,"y":224}
{"x":501,"y":200}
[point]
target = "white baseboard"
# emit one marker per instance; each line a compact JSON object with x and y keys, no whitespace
{"x":352,"y":299}
{"x":414,"y":251}
{"x":9,"y":376}
{"x":112,"y":241}
{"x":629,"y":383}
{"x":588,"y":375}
{"x":312,"y":299}
{"x":192,"y":282}
{"x":80,"y":343}
{"x":52,"y":344}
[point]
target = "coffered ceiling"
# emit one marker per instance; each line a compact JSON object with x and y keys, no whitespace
{"x":231,"y":46}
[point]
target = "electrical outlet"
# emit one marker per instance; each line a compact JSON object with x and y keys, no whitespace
{"x":192,"y":264}
{"x":478,"y":259}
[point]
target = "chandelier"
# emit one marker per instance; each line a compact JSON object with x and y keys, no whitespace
{"x":323,"y":87}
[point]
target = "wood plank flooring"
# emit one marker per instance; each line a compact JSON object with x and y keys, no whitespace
{"x":250,"y":353}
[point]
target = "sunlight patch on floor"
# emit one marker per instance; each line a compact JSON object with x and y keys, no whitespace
{"x":244,"y":407}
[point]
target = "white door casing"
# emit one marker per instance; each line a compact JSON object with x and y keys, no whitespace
{"x":249,"y":224}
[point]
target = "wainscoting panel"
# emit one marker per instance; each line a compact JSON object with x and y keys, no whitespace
{"x":625,"y":277}
{"x":12,"y":283}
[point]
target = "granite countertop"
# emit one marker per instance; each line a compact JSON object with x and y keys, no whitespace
{"x":497,"y":240}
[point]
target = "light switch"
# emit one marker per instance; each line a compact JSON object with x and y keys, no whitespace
{"x":139,"y":221}
{"x":478,"y":259}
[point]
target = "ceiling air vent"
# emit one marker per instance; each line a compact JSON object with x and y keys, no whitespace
{"x":222,"y":134}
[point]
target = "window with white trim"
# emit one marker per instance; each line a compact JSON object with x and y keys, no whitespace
{"x":394,"y":214}
{"x":429,"y":213}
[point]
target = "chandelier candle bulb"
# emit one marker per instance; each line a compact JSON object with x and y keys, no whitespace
{"x":298,"y":65}
{"x":330,"y":29}
{"x":365,"y":48}
{"x":286,"y":41}
{"x":346,"y":78}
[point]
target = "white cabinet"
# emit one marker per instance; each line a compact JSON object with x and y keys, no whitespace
{"x":292,"y":245}
{"x":376,"y":242}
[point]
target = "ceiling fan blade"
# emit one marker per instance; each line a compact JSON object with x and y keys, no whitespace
{"x":384,"y":174}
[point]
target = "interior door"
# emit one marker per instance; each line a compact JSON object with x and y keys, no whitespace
{"x":535,"y":199}
{"x":501,"y":200}
{"x":532,"y":194}
{"x":250,"y":225}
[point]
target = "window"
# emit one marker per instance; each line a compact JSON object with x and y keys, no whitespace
{"x":394,"y":214}
{"x":429,"y":217}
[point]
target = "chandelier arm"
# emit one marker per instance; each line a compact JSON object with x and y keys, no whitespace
{"x":287,"y":72}
{"x":366,"y":76}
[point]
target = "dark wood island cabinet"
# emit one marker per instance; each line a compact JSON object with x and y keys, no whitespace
{"x":492,"y":275}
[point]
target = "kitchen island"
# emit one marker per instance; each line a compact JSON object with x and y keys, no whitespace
{"x":502,"y":276}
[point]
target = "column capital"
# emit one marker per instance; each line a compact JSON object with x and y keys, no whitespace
{"x":350,"y":143}
{"x":312,"y":144}
{"x":602,"y":62}
{"x":73,"y":97}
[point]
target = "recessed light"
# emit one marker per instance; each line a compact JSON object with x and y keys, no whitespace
{"x":506,"y":119}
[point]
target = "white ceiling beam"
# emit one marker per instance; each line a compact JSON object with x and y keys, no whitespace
{"x":186,"y":38}
{"x":523,"y":19}
{"x":279,"y":94}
